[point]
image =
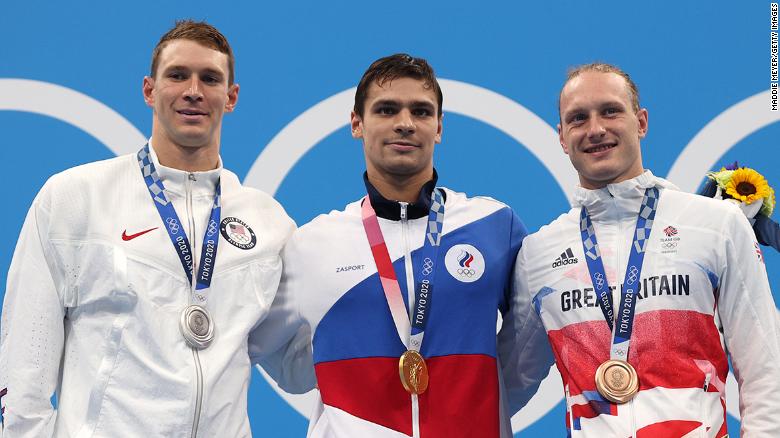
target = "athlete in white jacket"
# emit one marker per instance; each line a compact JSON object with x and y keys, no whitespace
{"x":135,"y":317}
{"x":682,"y":299}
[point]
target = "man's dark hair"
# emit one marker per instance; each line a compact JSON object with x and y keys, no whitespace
{"x":201,"y":33}
{"x":400,"y":65}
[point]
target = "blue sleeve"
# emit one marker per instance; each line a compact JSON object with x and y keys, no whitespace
{"x":767,"y":231}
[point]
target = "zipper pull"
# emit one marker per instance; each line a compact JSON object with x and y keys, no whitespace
{"x":403,"y":209}
{"x":191,"y":177}
{"x":707,"y":379}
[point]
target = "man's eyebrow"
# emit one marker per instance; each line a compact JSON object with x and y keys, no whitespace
{"x":185,"y":68}
{"x":425,"y":103}
{"x":386,"y":102}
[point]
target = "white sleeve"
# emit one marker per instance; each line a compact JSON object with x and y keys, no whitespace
{"x":524,"y":351}
{"x":281,"y":344}
{"x":750,"y":325}
{"x":31,"y":333}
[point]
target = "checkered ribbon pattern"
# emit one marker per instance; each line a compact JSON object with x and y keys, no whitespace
{"x":644,"y":222}
{"x":626,"y":309}
{"x":435,"y":219}
{"x":171,"y":219}
{"x":384,"y":265}
{"x":148,"y":170}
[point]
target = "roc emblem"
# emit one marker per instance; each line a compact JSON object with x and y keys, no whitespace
{"x":465,"y":263}
{"x":237,"y":233}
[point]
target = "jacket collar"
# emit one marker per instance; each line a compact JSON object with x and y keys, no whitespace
{"x":175,"y":181}
{"x":620,"y":200}
{"x":388,"y":209}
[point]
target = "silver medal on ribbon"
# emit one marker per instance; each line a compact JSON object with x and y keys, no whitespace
{"x":196,"y":326}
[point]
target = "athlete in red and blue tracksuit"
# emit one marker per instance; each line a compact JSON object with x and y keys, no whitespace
{"x":331,"y":295}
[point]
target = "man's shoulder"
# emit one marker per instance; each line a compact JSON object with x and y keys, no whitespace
{"x":478,"y":206}
{"x":709,"y":212}
{"x":95,"y":172}
{"x":324,"y":232}
{"x":564,"y":223}
{"x":80,"y":181}
{"x":348,"y":216}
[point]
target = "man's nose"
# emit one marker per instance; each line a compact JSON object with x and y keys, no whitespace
{"x":193,"y":91}
{"x":404,"y":124}
{"x":596,"y":127}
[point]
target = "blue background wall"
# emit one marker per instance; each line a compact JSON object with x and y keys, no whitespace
{"x":692,"y":61}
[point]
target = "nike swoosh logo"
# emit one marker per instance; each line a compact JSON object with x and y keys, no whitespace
{"x":127,"y":237}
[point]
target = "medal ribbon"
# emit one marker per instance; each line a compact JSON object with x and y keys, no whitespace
{"x":174,"y":227}
{"x":424,"y":279}
{"x":621,"y":332}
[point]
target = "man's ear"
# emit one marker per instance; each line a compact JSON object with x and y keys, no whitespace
{"x":147,"y":90}
{"x":356,"y":123}
{"x":560,"y":140}
{"x":642,"y":116}
{"x":230,"y":105}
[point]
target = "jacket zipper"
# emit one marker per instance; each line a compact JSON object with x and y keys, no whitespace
{"x":410,"y":295}
{"x":616,"y":302}
{"x":704,"y":410}
{"x":195,"y":354}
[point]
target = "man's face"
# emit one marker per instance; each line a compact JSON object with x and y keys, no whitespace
{"x":399,"y":128}
{"x":189,"y":94}
{"x":599,"y":129}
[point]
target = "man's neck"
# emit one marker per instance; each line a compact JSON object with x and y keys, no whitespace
{"x":404,"y":189}
{"x":189,"y":159}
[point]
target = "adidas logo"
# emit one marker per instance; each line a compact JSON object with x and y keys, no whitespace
{"x":566,"y":258}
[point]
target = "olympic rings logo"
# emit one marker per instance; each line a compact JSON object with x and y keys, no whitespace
{"x":466,"y":272}
{"x":173,"y":225}
{"x":599,"y":280}
{"x":212,"y":228}
{"x":427,"y":266}
{"x":669,"y":245}
{"x":632,"y":273}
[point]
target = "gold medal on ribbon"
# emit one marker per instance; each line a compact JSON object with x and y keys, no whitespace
{"x":414,"y":372}
{"x":617,"y":381}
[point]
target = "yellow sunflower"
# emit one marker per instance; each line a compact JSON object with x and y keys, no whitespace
{"x":747,"y":185}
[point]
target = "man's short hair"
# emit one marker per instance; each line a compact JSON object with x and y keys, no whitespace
{"x":400,"y":65}
{"x":602,"y":67}
{"x":201,"y":33}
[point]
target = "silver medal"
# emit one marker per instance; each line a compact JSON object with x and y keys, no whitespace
{"x":196,"y":326}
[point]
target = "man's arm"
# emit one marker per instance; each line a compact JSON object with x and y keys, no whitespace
{"x":750,"y":324}
{"x":281,"y":344}
{"x":31,"y":333}
{"x":524,"y":353}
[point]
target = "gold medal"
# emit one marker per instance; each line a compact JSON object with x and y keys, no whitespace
{"x":414,"y":372}
{"x":617,"y":381}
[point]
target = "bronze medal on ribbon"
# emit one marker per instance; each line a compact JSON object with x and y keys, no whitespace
{"x":617,"y":381}
{"x":414,"y":372}
{"x":196,"y":326}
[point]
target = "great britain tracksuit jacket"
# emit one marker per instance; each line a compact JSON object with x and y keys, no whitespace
{"x":703,"y":298}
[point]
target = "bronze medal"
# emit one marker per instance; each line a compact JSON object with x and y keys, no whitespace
{"x":414,"y":372}
{"x":617,"y":381}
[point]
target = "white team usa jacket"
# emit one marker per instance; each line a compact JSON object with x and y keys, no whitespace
{"x":703,"y":297}
{"x":94,"y":296}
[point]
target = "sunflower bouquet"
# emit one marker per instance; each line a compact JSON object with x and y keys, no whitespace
{"x":745,"y":187}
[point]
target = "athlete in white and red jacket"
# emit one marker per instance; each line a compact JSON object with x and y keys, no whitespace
{"x":703,"y":293}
